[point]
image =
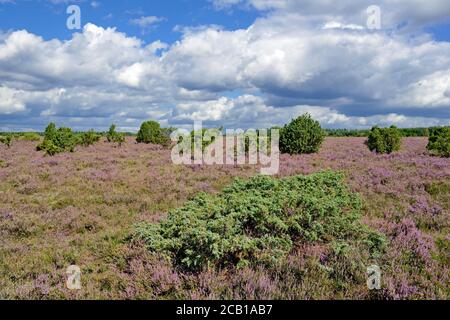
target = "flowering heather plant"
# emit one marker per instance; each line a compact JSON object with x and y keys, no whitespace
{"x":259,"y":221}
{"x":79,"y":208}
{"x":431,"y":216}
{"x":417,"y":244}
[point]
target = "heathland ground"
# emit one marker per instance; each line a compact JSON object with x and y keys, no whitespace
{"x":81,"y":208}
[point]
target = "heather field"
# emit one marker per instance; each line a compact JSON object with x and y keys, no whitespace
{"x":82,"y":208}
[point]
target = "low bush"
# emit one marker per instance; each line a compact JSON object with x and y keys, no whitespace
{"x":113,"y":136}
{"x":198,"y":138}
{"x":151,"y":132}
{"x":384,"y":140}
{"x":89,"y":138}
{"x":57,"y":140}
{"x":259,"y":221}
{"x":439,"y":141}
{"x":405,"y":132}
{"x":6,"y":140}
{"x":302,"y":135}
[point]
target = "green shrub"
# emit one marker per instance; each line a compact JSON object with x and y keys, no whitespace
{"x":384,"y":140}
{"x":205,"y":142}
{"x":439,"y":141}
{"x":6,"y":140}
{"x":259,"y":221}
{"x":151,"y":132}
{"x":50,"y":132}
{"x":113,"y":136}
{"x":89,"y":138}
{"x":49,"y":147}
{"x":168,"y":131}
{"x":57,"y":140}
{"x":405,"y":132}
{"x":29,"y":136}
{"x":302,"y":135}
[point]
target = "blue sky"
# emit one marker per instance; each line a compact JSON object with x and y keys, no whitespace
{"x":232,"y":63}
{"x":48,"y":19}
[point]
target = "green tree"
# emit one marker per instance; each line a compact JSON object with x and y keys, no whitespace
{"x":384,"y":140}
{"x":151,"y":132}
{"x":302,"y":135}
{"x":439,"y":141}
{"x":89,"y":138}
{"x":57,"y":140}
{"x":113,"y":136}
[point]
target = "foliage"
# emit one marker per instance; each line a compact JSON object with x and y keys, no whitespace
{"x":346,"y":133}
{"x":439,"y":141}
{"x":113,"y":136}
{"x":57,"y":140}
{"x":259,"y":221}
{"x":151,"y":132}
{"x":6,"y":140}
{"x":415,"y":132}
{"x":302,"y":135}
{"x":89,"y":138}
{"x":198,"y":138}
{"x":384,"y":140}
{"x":29,"y":136}
{"x":405,"y":132}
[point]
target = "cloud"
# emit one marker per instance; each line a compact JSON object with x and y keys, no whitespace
{"x":10,"y":102}
{"x":338,"y":25}
{"x":146,"y":21}
{"x":292,"y":63}
{"x":252,"y":112}
{"x":413,"y":13}
{"x":281,"y":66}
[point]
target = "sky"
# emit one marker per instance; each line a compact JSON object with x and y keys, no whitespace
{"x":229,"y":63}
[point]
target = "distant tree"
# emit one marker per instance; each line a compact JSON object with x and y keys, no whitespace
{"x":151,"y":132}
{"x":384,"y":140}
{"x":57,"y":140}
{"x":439,"y":141}
{"x":113,"y":136}
{"x":302,"y":135}
{"x":89,"y":138}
